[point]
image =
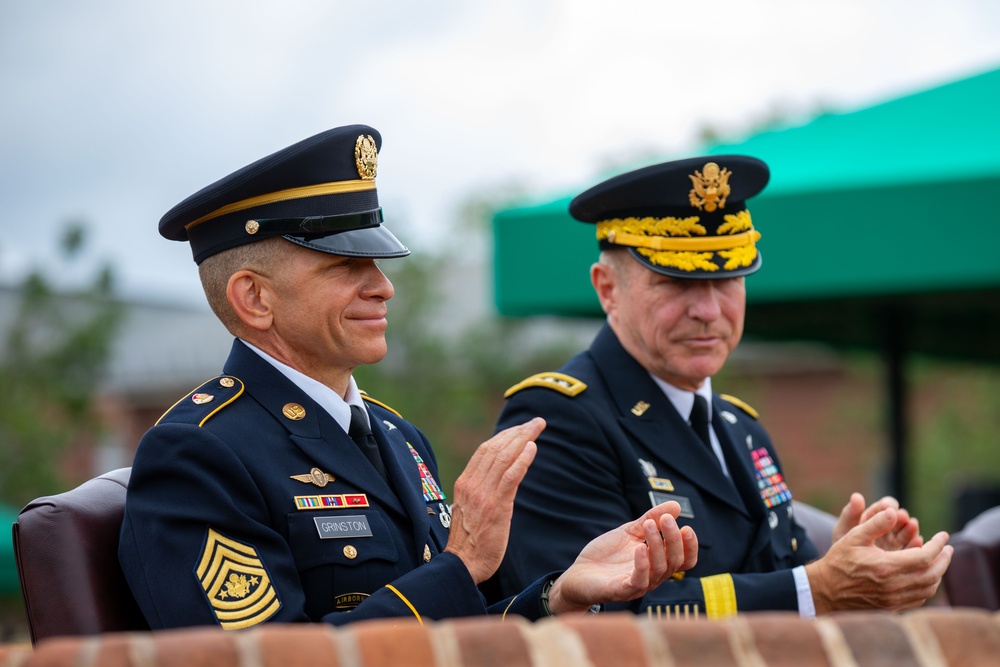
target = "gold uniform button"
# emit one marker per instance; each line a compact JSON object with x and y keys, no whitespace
{"x":350,"y":552}
{"x":795,"y":544}
{"x":227,"y":382}
{"x":427,"y":553}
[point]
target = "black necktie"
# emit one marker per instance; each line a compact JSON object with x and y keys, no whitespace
{"x":362,"y":435}
{"x":699,"y":420}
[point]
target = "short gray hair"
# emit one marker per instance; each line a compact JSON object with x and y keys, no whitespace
{"x":261,"y":257}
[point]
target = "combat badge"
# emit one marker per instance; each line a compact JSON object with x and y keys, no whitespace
{"x":444,"y":514}
{"x":235,"y":582}
{"x":201,"y":399}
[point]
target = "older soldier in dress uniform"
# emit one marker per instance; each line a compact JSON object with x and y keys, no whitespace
{"x":278,"y":491}
{"x":633,"y":421}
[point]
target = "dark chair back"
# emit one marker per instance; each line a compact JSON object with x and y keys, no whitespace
{"x":973,"y":578}
{"x":66,"y":548}
{"x":817,"y":523}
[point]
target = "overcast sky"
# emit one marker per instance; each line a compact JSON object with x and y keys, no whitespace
{"x":113,"y":111}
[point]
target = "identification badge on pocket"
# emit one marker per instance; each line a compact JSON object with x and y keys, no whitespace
{"x":335,"y":527}
{"x":657,"y":497}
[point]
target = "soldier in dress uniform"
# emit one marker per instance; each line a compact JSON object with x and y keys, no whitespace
{"x":634,"y":421}
{"x":278,"y":491}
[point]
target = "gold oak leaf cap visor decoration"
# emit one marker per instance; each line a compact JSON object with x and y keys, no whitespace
{"x":685,"y":218}
{"x":319,"y":193}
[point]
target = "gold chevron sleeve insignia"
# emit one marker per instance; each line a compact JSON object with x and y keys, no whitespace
{"x":564,"y":384}
{"x":236,"y":583}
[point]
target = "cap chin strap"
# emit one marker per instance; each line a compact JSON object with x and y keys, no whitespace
{"x":683,"y":244}
{"x":318,"y":190}
{"x":315,"y":224}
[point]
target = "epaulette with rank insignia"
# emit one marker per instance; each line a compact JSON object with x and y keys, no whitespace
{"x":740,"y":404}
{"x":379,"y":403}
{"x":564,"y":384}
{"x":205,"y":402}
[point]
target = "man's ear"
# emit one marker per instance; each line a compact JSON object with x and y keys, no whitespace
{"x":249,"y":295}
{"x":605,"y":282}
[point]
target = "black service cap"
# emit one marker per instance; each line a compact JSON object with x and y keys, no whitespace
{"x":685,"y":218}
{"x":319,"y":193}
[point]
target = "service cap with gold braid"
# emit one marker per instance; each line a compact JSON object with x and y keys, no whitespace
{"x":685,"y":218}
{"x":319,"y":193}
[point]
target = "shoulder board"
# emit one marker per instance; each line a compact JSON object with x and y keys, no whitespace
{"x":205,"y":402}
{"x":740,"y":404}
{"x":561,"y":382}
{"x":379,"y":403}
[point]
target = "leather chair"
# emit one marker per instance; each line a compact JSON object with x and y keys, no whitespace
{"x":817,"y":523}
{"x":973,"y":578}
{"x":66,"y":549}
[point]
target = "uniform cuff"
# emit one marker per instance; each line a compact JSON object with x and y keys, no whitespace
{"x":804,"y":592}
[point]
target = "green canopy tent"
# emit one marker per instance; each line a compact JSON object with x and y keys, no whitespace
{"x":881,"y":229}
{"x":9,"y":584}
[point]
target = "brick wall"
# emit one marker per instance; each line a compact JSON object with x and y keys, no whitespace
{"x":939,"y":637}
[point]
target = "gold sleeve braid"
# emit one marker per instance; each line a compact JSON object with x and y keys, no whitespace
{"x":406,"y":602}
{"x":720,"y":596}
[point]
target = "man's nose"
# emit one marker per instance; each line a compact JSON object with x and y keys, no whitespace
{"x":378,"y":285}
{"x":704,"y":301}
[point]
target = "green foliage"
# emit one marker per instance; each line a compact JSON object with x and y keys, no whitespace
{"x":955,"y":441}
{"x":51,"y":361}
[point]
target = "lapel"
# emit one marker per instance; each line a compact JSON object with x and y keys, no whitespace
{"x":659,"y":429}
{"x":737,"y":450}
{"x":404,"y":474}
{"x":316,"y":433}
{"x":738,"y":460}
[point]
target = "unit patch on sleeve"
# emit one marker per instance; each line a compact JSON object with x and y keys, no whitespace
{"x":235,"y":582}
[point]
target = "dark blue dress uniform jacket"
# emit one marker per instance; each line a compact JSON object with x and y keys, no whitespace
{"x":587,"y":478}
{"x":214,"y":533}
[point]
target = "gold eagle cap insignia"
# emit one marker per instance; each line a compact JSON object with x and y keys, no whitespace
{"x":711,"y":187}
{"x":315,"y":476}
{"x":366,"y":157}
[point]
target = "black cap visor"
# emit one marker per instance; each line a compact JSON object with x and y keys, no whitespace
{"x":374,"y":242}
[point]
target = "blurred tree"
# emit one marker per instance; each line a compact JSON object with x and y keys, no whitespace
{"x":51,"y":361}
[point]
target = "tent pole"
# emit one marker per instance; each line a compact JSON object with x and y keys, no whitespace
{"x":895,"y":358}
